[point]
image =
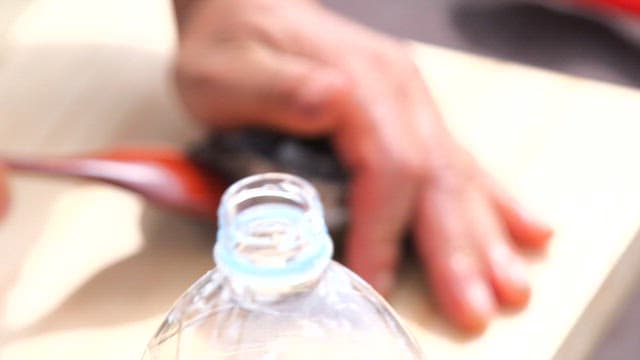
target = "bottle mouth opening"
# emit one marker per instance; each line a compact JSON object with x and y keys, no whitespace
{"x":271,"y":228}
{"x":267,"y":188}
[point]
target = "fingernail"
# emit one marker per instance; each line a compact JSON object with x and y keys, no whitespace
{"x":481,"y":298}
{"x":383,"y":283}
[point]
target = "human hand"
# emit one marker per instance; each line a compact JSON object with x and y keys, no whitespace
{"x":299,"y":68}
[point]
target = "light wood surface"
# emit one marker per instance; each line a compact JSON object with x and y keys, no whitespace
{"x":87,"y":271}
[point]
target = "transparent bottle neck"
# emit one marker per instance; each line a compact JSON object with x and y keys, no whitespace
{"x":272,"y":238}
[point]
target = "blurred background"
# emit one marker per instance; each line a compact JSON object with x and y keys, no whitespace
{"x":574,"y":37}
{"x":84,"y":264}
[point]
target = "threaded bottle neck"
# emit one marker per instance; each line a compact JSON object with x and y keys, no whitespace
{"x":271,"y":234}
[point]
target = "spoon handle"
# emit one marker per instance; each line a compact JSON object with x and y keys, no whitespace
{"x":88,"y":168}
{"x":40,"y":166}
{"x":173,"y":182}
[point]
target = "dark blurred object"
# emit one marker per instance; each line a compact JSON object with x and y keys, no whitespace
{"x":605,"y":44}
{"x":240,"y":153}
{"x":551,"y":38}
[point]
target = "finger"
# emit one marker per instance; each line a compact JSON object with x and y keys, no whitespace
{"x":379,"y":209}
{"x":377,"y":145}
{"x":442,"y":227}
{"x":452,"y":264}
{"x":506,"y":271}
{"x":246,"y":83}
{"x":525,"y":229}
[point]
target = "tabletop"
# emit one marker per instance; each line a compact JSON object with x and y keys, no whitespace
{"x":88,"y":270}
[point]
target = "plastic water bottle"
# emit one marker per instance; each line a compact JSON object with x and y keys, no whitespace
{"x":275,"y":292}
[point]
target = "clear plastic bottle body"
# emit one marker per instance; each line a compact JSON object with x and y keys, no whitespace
{"x":339,"y":317}
{"x":275,"y":293}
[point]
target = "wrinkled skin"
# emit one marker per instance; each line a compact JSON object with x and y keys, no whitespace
{"x":296,"y":67}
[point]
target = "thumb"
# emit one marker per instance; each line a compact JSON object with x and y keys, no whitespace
{"x":248,"y":84}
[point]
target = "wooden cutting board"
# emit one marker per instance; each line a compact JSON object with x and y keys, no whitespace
{"x":87,"y":271}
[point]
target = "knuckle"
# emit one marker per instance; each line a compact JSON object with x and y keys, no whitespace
{"x":449,"y":178}
{"x":407,"y":167}
{"x":315,"y":91}
{"x":384,"y":57}
{"x":291,"y":92}
{"x":410,"y":167}
{"x":400,"y":69}
{"x":392,"y":56}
